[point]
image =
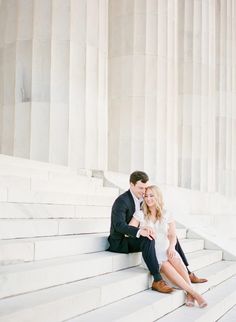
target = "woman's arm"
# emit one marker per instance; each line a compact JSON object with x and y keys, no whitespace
{"x":134,"y":222}
{"x":172,"y":238}
{"x":143,"y":231}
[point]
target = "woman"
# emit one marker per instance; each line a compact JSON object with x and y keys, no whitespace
{"x":162,"y":225}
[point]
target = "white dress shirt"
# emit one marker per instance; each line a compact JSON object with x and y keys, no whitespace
{"x":137,"y":203}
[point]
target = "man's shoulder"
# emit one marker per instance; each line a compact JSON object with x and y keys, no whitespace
{"x":126,"y":194}
{"x":125,"y":197}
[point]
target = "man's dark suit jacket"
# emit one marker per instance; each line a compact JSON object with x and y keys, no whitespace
{"x":121,"y":214}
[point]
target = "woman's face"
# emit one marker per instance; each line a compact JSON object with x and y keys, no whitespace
{"x":150,"y":198}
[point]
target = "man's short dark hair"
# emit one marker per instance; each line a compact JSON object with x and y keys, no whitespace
{"x":138,"y":176}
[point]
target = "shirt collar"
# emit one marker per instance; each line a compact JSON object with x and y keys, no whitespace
{"x":135,"y":198}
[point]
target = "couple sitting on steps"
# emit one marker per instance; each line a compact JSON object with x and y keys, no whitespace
{"x":139,"y":222}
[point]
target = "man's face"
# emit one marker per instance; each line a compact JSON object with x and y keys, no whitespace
{"x":138,"y":189}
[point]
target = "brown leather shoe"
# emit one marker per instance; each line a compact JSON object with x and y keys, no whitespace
{"x":162,"y":287}
{"x":195,"y":279}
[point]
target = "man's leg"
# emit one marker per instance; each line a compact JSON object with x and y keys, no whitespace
{"x":182,"y":255}
{"x":147,"y":247}
{"x":149,"y":255}
{"x":192,"y":276}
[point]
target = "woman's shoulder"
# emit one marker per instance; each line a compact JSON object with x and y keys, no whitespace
{"x":167,"y":215}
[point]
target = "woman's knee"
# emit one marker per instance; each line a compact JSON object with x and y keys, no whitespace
{"x":176,"y":262}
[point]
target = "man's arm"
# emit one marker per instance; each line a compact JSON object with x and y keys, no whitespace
{"x":119,"y":223}
{"x":144,"y":231}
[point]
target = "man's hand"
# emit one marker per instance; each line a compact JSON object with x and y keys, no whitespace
{"x":148,"y":232}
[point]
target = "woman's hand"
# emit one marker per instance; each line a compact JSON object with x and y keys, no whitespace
{"x":171,"y":252}
{"x":148,"y":232}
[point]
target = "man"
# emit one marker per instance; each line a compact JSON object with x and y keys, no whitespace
{"x":128,"y":239}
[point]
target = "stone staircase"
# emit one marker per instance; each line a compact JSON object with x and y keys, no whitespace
{"x":54,"y":224}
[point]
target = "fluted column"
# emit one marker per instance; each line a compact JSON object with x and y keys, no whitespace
{"x":41,"y":80}
{"x":186,"y":107}
{"x":233,"y":192}
{"x":1,"y":74}
{"x":166,"y":93}
{"x":54,"y":79}
{"x":143,"y":88}
{"x":230,"y":175}
{"x":185,"y":89}
{"x":8,"y":48}
{"x":226,"y":104}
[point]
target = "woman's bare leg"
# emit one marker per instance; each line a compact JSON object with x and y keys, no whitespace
{"x":171,"y":273}
{"x":181,"y":269}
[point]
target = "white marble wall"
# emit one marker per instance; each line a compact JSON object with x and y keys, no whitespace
{"x":172,"y":91}
{"x":171,"y":79}
{"x":53,"y":81}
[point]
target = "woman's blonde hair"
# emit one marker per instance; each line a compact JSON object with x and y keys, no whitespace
{"x":159,"y":203}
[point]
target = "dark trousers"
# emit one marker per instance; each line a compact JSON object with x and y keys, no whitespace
{"x":147,"y":247}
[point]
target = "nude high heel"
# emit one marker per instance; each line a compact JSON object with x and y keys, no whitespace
{"x":201,"y":302}
{"x":189,"y":301}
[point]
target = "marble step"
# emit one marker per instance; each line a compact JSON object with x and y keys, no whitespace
{"x":151,"y":306}
{"x":33,"y":249}
{"x":23,"y":170}
{"x":18,"y":210}
{"x":191,"y":245}
{"x":19,"y":171}
{"x":26,"y":277}
{"x":21,"y":228}
{"x":229,"y":316}
{"x":51,"y":182}
{"x":9,"y":162}
{"x":63,"y":302}
{"x":84,"y":185}
{"x":220,"y":299}
{"x":101,"y":198}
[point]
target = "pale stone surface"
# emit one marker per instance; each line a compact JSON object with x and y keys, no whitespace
{"x":82,"y":226}
{"x":40,"y":125}
{"x":7,"y":181}
{"x":55,"y":53}
{"x":229,"y":316}
{"x":48,"y":197}
{"x":18,"y":228}
{"x":42,"y":12}
{"x":59,"y":271}
{"x":57,"y":274}
{"x":152,"y":307}
{"x":58,"y":130}
{"x":189,"y":57}
{"x":13,"y":252}
{"x":62,"y":302}
{"x":41,"y":62}
{"x":34,"y":211}
{"x":22,"y":129}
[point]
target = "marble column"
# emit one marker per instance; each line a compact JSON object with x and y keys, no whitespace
{"x":143,"y":87}
{"x":53,"y":58}
{"x":172,"y":91}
